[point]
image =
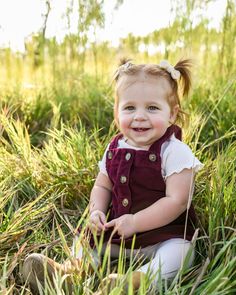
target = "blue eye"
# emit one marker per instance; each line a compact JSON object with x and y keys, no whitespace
{"x":153,"y":108}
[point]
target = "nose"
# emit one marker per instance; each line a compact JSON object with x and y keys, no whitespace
{"x":139,"y":116}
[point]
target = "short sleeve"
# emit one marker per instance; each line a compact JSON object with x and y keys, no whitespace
{"x":178,"y":156}
{"x":102,"y":163}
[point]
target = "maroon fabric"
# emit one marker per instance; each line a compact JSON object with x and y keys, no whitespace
{"x":138,"y":183}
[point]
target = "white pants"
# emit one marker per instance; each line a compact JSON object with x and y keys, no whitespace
{"x":169,"y":257}
{"x":165,"y":258}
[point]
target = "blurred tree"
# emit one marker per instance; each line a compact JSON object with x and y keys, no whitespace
{"x":70,"y":40}
{"x":35,"y":43}
{"x":227,"y":52}
{"x":146,"y":41}
{"x":40,"y":37}
{"x":130,"y":44}
{"x":77,"y":46}
{"x":187,"y":12}
{"x":167,"y":37}
{"x":91,"y":17}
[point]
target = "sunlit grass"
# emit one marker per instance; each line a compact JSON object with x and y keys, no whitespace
{"x":54,"y":126}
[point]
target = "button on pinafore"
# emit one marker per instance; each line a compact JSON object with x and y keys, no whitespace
{"x":137,"y":184}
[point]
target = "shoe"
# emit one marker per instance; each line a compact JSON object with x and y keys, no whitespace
{"x":38,"y":268}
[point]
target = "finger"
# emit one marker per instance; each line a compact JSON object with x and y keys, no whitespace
{"x":102,"y":219}
{"x":96,"y":220}
{"x":97,"y":223}
{"x":100,"y":226}
{"x":110,"y":223}
{"x":96,"y":229}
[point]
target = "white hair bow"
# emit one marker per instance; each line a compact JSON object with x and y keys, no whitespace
{"x":126,"y":65}
{"x":175,"y":74}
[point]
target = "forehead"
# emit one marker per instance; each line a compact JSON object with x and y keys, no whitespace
{"x":143,"y":84}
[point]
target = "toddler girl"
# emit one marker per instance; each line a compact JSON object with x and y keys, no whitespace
{"x":146,"y":177}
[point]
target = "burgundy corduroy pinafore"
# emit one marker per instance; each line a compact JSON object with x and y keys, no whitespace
{"x":138,"y":183}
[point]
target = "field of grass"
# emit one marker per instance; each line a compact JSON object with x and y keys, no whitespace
{"x":54,"y":130}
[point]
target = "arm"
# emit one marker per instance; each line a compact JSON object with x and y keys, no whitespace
{"x":162,"y":212}
{"x":167,"y":209}
{"x":100,"y":198}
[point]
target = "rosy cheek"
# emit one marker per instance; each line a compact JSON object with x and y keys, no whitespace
{"x":123,"y":123}
{"x":160,"y":124}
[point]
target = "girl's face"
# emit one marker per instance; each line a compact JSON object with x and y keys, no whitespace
{"x":144,"y":113}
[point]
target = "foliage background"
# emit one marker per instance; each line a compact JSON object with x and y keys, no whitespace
{"x":55,"y":120}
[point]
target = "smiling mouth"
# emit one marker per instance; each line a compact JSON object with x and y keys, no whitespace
{"x":141,"y":129}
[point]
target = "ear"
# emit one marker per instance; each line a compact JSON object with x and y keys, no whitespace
{"x":173,"y":114}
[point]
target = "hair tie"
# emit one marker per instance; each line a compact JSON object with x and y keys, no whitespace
{"x":125,"y":66}
{"x":175,"y":74}
{"x":120,"y":69}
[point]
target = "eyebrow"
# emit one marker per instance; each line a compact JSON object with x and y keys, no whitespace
{"x":129,"y":102}
{"x":148,"y":102}
{"x":153,"y":102}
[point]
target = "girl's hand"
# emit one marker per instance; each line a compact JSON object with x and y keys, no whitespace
{"x":96,"y":221}
{"x":124,"y":225}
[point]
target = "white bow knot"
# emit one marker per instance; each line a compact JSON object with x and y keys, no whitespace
{"x":125,"y":66}
{"x":175,"y":74}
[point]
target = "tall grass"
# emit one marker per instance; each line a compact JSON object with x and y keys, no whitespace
{"x":53,"y":133}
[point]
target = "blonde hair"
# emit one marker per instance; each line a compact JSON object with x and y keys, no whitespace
{"x":127,"y":70}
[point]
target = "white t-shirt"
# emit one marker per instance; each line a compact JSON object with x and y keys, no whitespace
{"x":170,"y":163}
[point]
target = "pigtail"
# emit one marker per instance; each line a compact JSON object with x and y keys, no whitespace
{"x":124,"y":64}
{"x":124,"y":60}
{"x":183,"y":66}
